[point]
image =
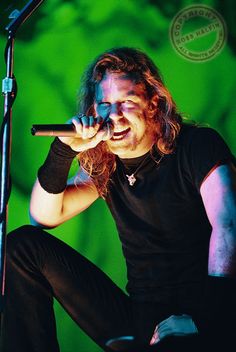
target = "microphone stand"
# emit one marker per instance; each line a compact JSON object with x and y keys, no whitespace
{"x":9,"y":89}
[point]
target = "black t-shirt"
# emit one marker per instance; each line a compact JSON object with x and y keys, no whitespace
{"x":161,"y":219}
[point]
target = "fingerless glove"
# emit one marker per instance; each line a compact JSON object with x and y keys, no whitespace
{"x":53,"y":174}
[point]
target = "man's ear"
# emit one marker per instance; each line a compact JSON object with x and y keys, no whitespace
{"x":153,"y":104}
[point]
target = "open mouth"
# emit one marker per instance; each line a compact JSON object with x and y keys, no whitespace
{"x":120,"y":135}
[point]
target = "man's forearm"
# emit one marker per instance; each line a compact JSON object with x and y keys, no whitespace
{"x":222,"y":252}
{"x":48,"y":193}
{"x":45,"y":208}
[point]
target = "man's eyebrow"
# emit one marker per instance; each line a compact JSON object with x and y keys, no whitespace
{"x":134,"y":93}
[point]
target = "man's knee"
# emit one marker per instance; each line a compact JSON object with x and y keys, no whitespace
{"x":20,"y":238}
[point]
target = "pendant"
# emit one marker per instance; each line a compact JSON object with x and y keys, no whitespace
{"x":131,"y":179}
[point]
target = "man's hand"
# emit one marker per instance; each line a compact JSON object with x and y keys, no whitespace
{"x":89,"y":132}
{"x":175,"y":325}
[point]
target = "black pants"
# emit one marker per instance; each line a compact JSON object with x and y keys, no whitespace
{"x":40,"y":267}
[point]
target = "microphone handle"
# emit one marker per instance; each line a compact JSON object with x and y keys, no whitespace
{"x":59,"y":130}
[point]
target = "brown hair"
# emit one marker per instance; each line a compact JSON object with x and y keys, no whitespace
{"x":99,"y":162}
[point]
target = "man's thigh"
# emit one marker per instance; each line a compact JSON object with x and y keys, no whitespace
{"x":91,"y":298}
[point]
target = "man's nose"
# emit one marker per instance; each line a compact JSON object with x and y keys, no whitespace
{"x":115,"y":112}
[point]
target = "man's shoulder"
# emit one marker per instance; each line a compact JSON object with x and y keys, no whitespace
{"x":196,"y":133}
{"x":195,"y":128}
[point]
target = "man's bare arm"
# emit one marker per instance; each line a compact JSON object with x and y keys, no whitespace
{"x":52,"y":203}
{"x":218,"y":192}
{"x":50,"y":210}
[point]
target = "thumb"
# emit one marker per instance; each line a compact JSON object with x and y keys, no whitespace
{"x":109,"y":130}
{"x":99,"y":136}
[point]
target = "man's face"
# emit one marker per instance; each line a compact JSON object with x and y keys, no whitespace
{"x":125,"y":103}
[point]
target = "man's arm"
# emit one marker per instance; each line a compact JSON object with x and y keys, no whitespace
{"x":218,"y":193}
{"x":53,"y":200}
{"x":50,"y":210}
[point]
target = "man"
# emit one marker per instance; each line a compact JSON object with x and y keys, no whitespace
{"x":171,"y":190}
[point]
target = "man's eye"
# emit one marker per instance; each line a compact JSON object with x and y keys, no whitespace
{"x":103,"y":109}
{"x":128,"y":103}
{"x":104,"y":105}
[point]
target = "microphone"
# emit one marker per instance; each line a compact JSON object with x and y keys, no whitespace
{"x":61,"y":130}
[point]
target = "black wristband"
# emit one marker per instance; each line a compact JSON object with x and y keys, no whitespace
{"x":218,"y":310}
{"x":52,"y":175}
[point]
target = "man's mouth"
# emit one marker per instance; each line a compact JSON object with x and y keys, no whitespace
{"x":121,"y":134}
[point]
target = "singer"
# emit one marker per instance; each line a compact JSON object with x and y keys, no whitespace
{"x":170,"y":187}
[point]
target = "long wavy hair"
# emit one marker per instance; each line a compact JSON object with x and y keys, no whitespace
{"x":99,"y":162}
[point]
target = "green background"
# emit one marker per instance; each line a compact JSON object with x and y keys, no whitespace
{"x":51,"y":51}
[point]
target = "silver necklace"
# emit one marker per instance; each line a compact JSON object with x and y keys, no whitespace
{"x":131,"y":178}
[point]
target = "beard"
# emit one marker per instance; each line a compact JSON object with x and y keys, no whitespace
{"x":124,"y":145}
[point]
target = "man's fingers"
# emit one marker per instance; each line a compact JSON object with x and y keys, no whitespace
{"x":108,"y":129}
{"x":155,"y":338}
{"x":175,"y":325}
{"x":166,"y":321}
{"x":87,"y":126}
{"x":98,"y":137}
{"x":92,"y":142}
{"x":78,"y":125}
{"x":90,"y":131}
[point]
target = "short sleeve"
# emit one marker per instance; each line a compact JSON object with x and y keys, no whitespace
{"x":205,"y":149}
